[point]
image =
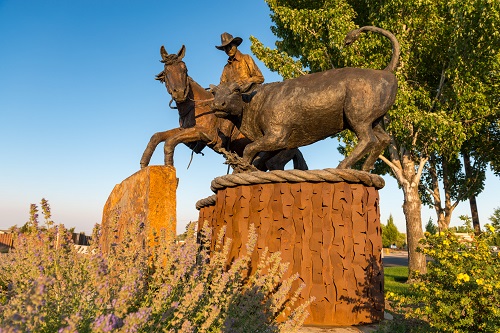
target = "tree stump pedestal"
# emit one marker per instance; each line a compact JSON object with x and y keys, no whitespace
{"x":325,"y":223}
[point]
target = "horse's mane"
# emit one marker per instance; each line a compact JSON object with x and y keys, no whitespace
{"x":198,"y":89}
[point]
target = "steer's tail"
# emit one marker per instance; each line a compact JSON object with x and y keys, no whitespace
{"x":353,"y":35}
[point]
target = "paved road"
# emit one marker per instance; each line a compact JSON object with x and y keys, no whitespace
{"x":396,"y":258}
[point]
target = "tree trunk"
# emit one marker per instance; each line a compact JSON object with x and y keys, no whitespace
{"x":436,"y":194}
{"x":412,"y":208}
{"x":448,"y":206}
{"x":409,"y":179}
{"x":472,"y":198}
{"x":475,"y":214}
{"x":408,"y":176}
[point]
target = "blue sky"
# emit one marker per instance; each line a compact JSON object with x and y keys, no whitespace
{"x":78,"y":102}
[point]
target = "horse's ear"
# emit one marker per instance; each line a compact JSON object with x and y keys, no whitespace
{"x":181,"y":52}
{"x":163,"y":52}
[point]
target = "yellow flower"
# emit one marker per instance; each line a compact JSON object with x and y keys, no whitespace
{"x":480,"y":281}
{"x":492,"y":228}
{"x":464,"y":277}
{"x":446,"y":242}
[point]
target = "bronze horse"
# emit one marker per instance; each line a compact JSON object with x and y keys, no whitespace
{"x":199,"y":127}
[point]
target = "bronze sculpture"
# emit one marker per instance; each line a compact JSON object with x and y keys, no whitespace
{"x":240,"y":68}
{"x":301,"y":111}
{"x":199,"y":127}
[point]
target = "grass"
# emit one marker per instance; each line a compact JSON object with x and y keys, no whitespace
{"x":395,"y":280}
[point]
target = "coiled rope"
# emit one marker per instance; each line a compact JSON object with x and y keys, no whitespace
{"x":330,"y":175}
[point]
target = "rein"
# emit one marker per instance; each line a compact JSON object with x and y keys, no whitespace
{"x":201,"y":100}
{"x":187,"y":93}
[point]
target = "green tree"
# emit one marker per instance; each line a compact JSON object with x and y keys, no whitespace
{"x":447,"y":181}
{"x":391,"y":234}
{"x":448,"y":75}
{"x":495,"y":218}
{"x":466,"y":227}
{"x":431,"y":228}
{"x":495,"y":223}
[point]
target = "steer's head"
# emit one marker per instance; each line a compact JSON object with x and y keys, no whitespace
{"x":228,"y":101}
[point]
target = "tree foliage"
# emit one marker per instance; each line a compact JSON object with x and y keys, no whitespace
{"x":448,"y":82}
{"x":431,"y":228}
{"x":460,"y":292}
{"x":391,"y":234}
{"x":495,"y":224}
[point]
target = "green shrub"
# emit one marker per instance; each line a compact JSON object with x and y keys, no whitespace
{"x":461,"y":290}
{"x":46,"y":286}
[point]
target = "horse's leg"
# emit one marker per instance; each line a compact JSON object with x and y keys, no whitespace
{"x":299,"y":162}
{"x":266,"y":161}
{"x":279,"y":159}
{"x":153,"y":142}
{"x":378,"y":148}
{"x":185,"y":135}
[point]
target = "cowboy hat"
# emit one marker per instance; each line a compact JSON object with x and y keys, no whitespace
{"x":227,"y":39}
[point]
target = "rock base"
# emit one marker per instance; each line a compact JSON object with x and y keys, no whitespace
{"x":147,"y":200}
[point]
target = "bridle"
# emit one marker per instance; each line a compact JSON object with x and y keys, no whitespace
{"x":188,"y":79}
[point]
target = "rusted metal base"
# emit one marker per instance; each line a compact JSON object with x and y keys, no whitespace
{"x":329,"y":233}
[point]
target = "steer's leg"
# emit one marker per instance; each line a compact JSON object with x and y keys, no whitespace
{"x":185,"y":135}
{"x":366,"y":140}
{"x":153,"y":142}
{"x":383,"y":140}
{"x":268,"y":143}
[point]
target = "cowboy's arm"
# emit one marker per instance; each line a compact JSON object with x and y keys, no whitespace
{"x":223,"y":77}
{"x":255,"y":75}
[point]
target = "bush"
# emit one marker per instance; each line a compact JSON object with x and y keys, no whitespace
{"x":46,"y":286}
{"x":461,"y":290}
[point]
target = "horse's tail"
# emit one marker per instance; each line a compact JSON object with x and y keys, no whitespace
{"x":299,"y":162}
{"x":353,"y":35}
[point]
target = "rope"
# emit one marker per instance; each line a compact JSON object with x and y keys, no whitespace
{"x":330,"y":175}
{"x":206,"y":202}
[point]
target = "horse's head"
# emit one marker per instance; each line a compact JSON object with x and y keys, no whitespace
{"x":174,"y":74}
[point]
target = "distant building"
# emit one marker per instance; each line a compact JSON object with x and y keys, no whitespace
{"x":464,"y":237}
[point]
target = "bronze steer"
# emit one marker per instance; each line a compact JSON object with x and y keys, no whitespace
{"x":301,"y":111}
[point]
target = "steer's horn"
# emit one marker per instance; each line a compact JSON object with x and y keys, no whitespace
{"x":213,"y":88}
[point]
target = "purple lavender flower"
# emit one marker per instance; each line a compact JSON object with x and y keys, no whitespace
{"x":107,"y":323}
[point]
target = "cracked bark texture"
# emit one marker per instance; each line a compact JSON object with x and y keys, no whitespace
{"x":329,"y":233}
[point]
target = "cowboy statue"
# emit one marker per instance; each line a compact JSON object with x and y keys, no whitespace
{"x":240,"y":68}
